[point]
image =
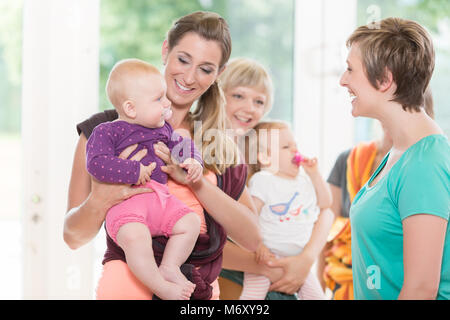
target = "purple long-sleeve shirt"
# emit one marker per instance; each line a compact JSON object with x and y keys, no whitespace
{"x":109,"y":139}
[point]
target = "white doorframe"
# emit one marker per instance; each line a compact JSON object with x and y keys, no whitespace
{"x":60,"y":88}
{"x":322,"y":121}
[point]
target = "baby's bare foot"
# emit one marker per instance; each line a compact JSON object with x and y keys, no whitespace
{"x":173,"y":274}
{"x":172,"y":291}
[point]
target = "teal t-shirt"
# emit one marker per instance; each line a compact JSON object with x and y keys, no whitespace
{"x":418,"y":183}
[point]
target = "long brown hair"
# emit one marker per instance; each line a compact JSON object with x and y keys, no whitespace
{"x":210,"y":108}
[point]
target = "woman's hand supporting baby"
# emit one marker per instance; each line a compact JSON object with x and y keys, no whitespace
{"x":145,"y":173}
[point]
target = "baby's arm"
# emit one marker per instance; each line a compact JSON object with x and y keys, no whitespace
{"x":185,"y":153}
{"x":323,"y":192}
{"x":183,"y":148}
{"x":194,"y":169}
{"x":103,"y":165}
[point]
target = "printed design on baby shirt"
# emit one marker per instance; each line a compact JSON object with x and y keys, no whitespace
{"x":297,"y":211}
{"x":282,"y":209}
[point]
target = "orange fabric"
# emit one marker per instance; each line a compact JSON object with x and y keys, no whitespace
{"x":117,"y":282}
{"x":338,"y":271}
{"x":359,"y":166}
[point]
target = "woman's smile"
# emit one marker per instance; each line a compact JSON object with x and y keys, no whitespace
{"x":182,"y":88}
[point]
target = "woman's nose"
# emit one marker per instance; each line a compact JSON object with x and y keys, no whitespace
{"x":189,"y":76}
{"x":343,"y":80}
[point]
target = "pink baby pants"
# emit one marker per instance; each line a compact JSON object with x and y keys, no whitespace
{"x":158,"y":210}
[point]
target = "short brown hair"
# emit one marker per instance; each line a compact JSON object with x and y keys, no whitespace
{"x":406,"y":49}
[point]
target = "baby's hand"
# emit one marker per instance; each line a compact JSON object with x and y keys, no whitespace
{"x":145,"y":173}
{"x":194,"y":170}
{"x":310,"y":165}
{"x":263,"y":254}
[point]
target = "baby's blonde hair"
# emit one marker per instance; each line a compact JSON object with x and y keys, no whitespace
{"x":123,"y":78}
{"x":256,"y":144}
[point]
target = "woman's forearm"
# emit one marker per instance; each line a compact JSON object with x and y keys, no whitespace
{"x":238,"y":220}
{"x":238,"y":259}
{"x":82,"y":223}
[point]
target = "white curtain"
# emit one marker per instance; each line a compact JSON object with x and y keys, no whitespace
{"x":60,"y":88}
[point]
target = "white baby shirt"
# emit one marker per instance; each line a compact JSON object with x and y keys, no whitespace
{"x":290,"y":210}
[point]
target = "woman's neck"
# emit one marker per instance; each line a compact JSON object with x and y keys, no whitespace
{"x":384,"y":145}
{"x":406,"y":128}
{"x":178,"y":118}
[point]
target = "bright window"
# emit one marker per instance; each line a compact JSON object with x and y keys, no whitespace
{"x":262,"y":30}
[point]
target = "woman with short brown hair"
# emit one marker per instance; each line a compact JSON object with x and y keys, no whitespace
{"x":399,"y":218}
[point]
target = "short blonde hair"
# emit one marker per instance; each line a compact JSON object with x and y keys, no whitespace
{"x":123,"y":77}
{"x":244,"y":72}
{"x":406,"y":49}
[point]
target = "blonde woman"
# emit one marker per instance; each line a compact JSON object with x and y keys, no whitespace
{"x":249,"y":95}
{"x":248,"y":91}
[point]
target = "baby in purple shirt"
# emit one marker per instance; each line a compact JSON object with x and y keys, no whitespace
{"x":138,"y":92}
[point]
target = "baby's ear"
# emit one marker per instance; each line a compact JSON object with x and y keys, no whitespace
{"x":129,"y":109}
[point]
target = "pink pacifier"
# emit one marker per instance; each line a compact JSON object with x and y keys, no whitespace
{"x":167,"y":113}
{"x":298,"y":158}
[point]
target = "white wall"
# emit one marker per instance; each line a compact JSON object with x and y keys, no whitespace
{"x":322,"y":120}
{"x":60,"y":88}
